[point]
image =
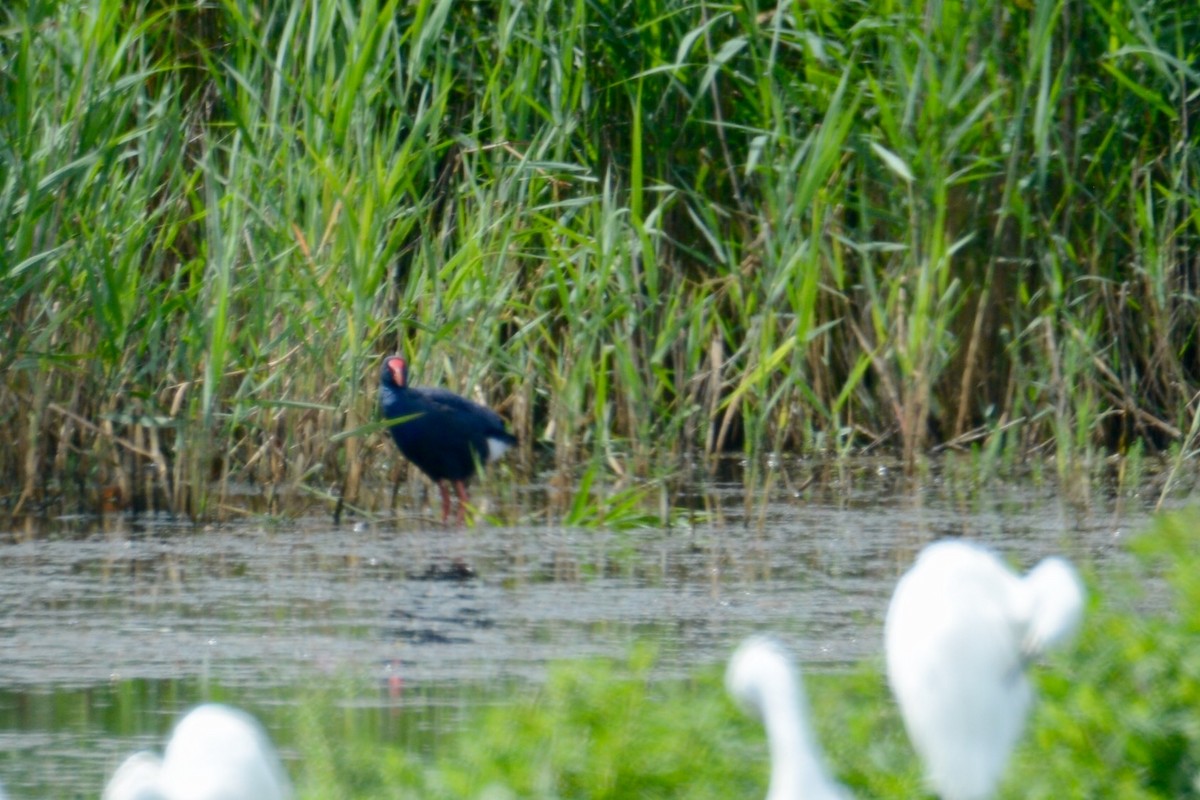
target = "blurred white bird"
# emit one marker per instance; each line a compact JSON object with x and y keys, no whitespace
{"x":763,"y":679}
{"x":214,"y":753}
{"x":960,"y":631}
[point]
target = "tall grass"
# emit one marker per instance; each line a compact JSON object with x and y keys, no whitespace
{"x":644,"y":232}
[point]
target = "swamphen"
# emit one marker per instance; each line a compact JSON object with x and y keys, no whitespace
{"x":446,"y":436}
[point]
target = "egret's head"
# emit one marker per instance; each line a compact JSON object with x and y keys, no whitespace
{"x":1057,"y":598}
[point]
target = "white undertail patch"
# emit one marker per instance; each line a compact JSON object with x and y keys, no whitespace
{"x":496,"y":448}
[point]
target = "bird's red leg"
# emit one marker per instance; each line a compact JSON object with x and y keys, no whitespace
{"x":461,"y":488}
{"x":445,"y":501}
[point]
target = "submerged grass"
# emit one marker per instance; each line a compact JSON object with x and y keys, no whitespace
{"x":645,"y":233}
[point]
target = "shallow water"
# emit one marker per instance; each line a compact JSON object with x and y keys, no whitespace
{"x":94,"y":610}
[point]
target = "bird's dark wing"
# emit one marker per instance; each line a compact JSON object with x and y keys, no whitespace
{"x":458,"y":406}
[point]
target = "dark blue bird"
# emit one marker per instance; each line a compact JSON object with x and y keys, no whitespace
{"x":446,"y":436}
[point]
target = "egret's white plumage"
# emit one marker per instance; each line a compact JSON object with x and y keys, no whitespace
{"x":214,"y":753}
{"x":135,"y":779}
{"x":960,"y":631}
{"x":763,"y":679}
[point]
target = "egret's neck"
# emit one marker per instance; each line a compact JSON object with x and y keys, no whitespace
{"x":797,"y":769}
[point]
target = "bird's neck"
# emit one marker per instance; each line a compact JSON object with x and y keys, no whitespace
{"x":394,"y":392}
{"x":797,"y":769}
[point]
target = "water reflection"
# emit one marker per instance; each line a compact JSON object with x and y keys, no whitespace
{"x":111,"y":627}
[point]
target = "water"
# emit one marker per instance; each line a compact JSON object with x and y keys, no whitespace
{"x":103,"y":616}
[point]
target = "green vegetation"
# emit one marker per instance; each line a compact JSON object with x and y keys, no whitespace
{"x":644,"y":231}
{"x":1121,"y":719}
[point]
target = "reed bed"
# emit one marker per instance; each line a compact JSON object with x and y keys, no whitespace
{"x":647,"y":232}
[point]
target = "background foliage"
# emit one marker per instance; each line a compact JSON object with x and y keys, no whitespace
{"x":643,"y":230}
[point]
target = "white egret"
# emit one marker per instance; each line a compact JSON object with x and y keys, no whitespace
{"x":763,"y":679}
{"x":136,"y":778}
{"x":960,"y":631}
{"x":214,"y":753}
